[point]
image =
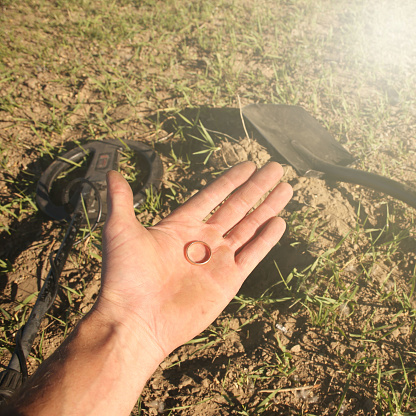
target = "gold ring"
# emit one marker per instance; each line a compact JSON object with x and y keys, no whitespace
{"x":206,"y":258}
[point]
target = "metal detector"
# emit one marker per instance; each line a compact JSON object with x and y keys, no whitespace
{"x":73,"y":189}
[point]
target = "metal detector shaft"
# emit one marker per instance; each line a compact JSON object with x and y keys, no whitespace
{"x":91,"y":188}
{"x":14,"y":375}
{"x":47,"y":293}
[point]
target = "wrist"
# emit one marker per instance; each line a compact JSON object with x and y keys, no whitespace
{"x":133,"y":332}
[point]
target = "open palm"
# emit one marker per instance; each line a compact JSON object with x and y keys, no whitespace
{"x":150,"y":286}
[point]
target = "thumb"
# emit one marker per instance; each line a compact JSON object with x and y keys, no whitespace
{"x":119,"y":197}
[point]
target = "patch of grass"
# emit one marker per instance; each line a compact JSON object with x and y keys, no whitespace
{"x":99,"y":69}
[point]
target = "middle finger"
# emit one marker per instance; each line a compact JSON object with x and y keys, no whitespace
{"x":244,"y":198}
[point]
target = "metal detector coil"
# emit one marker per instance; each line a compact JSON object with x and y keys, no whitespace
{"x":60,"y":185}
{"x":74,"y":189}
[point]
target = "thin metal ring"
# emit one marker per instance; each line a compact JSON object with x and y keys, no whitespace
{"x":198,"y":263}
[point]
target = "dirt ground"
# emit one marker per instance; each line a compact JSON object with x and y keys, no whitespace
{"x":327,"y":318}
{"x":259,"y":345}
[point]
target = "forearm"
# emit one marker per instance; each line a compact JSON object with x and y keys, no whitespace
{"x":99,"y":370}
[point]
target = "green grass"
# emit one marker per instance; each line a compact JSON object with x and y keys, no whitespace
{"x":72,"y":71}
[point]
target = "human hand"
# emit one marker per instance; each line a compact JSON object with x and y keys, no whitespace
{"x":147,"y":283}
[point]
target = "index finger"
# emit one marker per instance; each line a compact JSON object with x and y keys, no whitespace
{"x":202,"y":203}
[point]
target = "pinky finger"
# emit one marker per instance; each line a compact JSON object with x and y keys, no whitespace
{"x":257,"y":248}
